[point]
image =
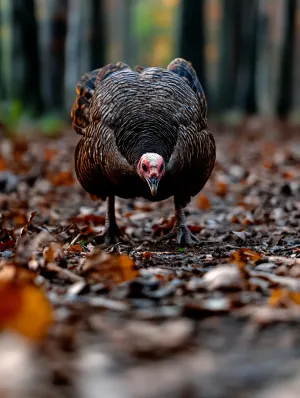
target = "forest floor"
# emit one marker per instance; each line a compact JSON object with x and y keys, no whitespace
{"x":144,"y":320}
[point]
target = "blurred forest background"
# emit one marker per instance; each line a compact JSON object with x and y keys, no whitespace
{"x":246,"y":52}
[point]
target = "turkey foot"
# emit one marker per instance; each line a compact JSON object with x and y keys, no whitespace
{"x":180,"y":231}
{"x":112,"y":233}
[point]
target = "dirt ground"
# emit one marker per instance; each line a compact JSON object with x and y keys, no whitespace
{"x":147,"y":320}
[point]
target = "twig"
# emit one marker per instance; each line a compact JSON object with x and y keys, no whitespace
{"x":74,"y":240}
{"x":64,"y":274}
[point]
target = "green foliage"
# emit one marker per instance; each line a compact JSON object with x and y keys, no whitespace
{"x":18,"y":120}
{"x":51,"y":124}
{"x":10,"y":114}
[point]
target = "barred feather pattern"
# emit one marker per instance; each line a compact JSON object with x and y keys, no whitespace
{"x":127,"y":113}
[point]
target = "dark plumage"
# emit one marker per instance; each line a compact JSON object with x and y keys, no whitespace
{"x":123,"y":115}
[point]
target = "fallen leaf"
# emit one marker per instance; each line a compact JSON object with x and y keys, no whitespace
{"x":221,"y":188}
{"x":63,"y":178}
{"x":100,"y":266}
{"x":11,"y":272}
{"x":7,"y":245}
{"x":147,"y":255}
{"x":89,"y":219}
{"x":243,"y":256}
{"x":281,"y":297}
{"x":24,"y":230}
{"x":195,"y":228}
{"x":25,"y":309}
{"x":223,"y":277}
{"x":241,"y":234}
{"x":77,"y":248}
{"x":51,"y":252}
{"x":204,"y":202}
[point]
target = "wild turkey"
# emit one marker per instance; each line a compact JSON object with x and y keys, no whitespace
{"x":144,"y":134}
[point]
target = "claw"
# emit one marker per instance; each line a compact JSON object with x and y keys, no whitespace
{"x":113,"y":235}
{"x":183,"y":235}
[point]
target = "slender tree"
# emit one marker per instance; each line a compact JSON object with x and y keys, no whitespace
{"x":97,"y":35}
{"x":191,"y":38}
{"x":245,"y":87}
{"x":285,"y":95}
{"x":230,"y":43}
{"x":30,"y":91}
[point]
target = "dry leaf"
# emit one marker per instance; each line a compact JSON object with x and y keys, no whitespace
{"x":223,"y":277}
{"x":51,"y":252}
{"x":204,"y":202}
{"x":281,"y":297}
{"x":64,"y":178}
{"x":221,"y":188}
{"x":244,"y":256}
{"x":100,"y":266}
{"x":147,"y":255}
{"x":24,"y":230}
{"x":10,"y":272}
{"x":77,"y":248}
{"x":25,"y":309}
{"x":89,"y":219}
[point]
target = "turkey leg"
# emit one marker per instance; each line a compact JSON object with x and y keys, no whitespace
{"x":112,"y":232}
{"x":180,"y":231}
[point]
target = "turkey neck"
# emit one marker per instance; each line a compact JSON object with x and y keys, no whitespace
{"x":142,"y":134}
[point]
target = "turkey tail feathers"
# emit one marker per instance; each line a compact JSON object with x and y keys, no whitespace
{"x":85,"y":90}
{"x":185,"y":70}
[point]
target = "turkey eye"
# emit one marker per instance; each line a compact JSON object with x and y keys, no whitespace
{"x":144,"y":167}
{"x":161,"y":168}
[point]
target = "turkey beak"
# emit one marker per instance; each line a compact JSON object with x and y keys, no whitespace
{"x":153,"y":184}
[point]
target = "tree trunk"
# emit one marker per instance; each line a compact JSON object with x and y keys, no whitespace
{"x":192,"y":41}
{"x":52,"y":31}
{"x":30,"y":90}
{"x":97,"y":36}
{"x":285,"y":94}
{"x":229,"y":59}
{"x":245,"y":88}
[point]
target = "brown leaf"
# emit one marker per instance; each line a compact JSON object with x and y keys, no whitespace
{"x":165,"y":226}
{"x":11,"y":272}
{"x":63,"y":178}
{"x":89,"y":219}
{"x":223,"y":277}
{"x":7,"y":245}
{"x":25,"y":309}
{"x":204,"y":202}
{"x":281,"y":297}
{"x":100,"y":266}
{"x":24,"y":230}
{"x":221,"y":188}
{"x":77,"y":248}
{"x":3,"y":164}
{"x":243,"y":256}
{"x":51,"y":252}
{"x":147,"y":255}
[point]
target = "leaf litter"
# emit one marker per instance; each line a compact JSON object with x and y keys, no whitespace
{"x":71,"y":303}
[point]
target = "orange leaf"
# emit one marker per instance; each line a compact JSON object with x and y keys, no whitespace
{"x":50,"y":154}
{"x":51,"y":252}
{"x":147,"y":255}
{"x":280,"y":297}
{"x":10,"y":272}
{"x":25,"y":309}
{"x":3,"y":164}
{"x":221,"y":188}
{"x":204,"y":202}
{"x":243,"y":256}
{"x":100,"y":266}
{"x":75,"y":248}
{"x":64,"y":178}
